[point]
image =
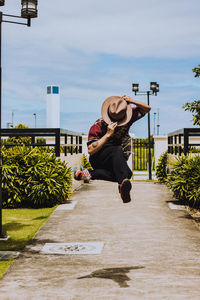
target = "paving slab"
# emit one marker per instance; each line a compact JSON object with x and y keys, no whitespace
{"x":8,"y":255}
{"x":149,"y":251}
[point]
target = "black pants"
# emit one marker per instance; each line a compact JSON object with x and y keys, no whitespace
{"x":110,"y":164}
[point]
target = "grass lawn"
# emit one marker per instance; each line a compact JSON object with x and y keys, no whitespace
{"x":4,"y":266}
{"x":21,"y":225}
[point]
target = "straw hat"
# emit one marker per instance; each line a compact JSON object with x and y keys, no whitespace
{"x":116,"y":109}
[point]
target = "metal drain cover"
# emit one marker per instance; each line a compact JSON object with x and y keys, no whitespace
{"x":73,"y":248}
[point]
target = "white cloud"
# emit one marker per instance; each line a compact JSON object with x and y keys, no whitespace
{"x":150,"y":28}
{"x":69,"y":43}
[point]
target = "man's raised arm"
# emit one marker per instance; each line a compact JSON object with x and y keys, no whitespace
{"x":145,"y":108}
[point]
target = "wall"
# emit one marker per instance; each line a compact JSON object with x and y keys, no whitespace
{"x":74,"y":161}
{"x":160,"y":146}
{"x":84,"y":144}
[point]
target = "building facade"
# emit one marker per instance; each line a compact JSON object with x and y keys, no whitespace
{"x":53,"y":107}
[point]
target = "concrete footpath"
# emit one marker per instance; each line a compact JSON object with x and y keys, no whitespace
{"x":143,"y":250}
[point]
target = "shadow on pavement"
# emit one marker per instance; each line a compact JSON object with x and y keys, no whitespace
{"x":116,"y":274}
{"x":176,"y":202}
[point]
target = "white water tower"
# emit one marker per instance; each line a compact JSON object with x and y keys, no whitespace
{"x":53,"y":107}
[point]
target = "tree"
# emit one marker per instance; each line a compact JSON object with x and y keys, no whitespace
{"x":23,"y":140}
{"x":197,"y":71}
{"x":19,"y":140}
{"x":194,"y":107}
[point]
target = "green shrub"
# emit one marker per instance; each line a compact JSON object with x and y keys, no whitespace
{"x":194,"y":150}
{"x":41,"y":141}
{"x":185,"y":178}
{"x":19,"y":140}
{"x":161,"y":168}
{"x":33,"y":177}
{"x":86,"y":163}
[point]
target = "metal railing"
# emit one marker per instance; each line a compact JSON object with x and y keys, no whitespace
{"x":179,"y":141}
{"x":68,"y":141}
{"x":140,"y":149}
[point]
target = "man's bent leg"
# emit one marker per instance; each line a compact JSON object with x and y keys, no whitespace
{"x":101,"y":170}
{"x":123,"y":173}
{"x":112,"y":159}
{"x":102,"y":174}
{"x":120,"y":167}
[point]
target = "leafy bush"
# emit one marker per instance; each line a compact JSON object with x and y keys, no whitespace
{"x":20,"y":140}
{"x":86,"y":163}
{"x":194,"y":150}
{"x":161,"y":168}
{"x":41,"y":141}
{"x":33,"y":177}
{"x":185,"y":179}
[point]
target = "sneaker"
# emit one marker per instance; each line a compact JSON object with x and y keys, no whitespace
{"x":82,"y":175}
{"x":86,"y":176}
{"x":78,"y":174}
{"x":125,"y":188}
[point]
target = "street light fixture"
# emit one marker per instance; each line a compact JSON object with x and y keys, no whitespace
{"x":135,"y":87}
{"x":154,"y":89}
{"x":28,"y":11}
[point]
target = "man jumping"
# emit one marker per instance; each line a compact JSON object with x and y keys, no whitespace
{"x":109,"y":143}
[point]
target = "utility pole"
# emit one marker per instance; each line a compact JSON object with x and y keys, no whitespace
{"x":154,"y":89}
{"x":35,"y":115}
{"x":158,"y":125}
{"x":154,"y":124}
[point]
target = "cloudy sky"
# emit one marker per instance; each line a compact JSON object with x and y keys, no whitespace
{"x":95,"y":49}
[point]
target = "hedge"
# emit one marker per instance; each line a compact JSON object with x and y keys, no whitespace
{"x":161,"y":168}
{"x":34,"y":177}
{"x":184,"y":180}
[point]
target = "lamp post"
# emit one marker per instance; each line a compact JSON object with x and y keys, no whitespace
{"x":28,"y":11}
{"x":35,"y":115}
{"x":13,"y":112}
{"x":154,"y":89}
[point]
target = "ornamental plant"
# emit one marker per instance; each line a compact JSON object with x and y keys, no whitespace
{"x":34,"y":177}
{"x":161,"y":168}
{"x":20,"y":140}
{"x":185,"y":178}
{"x":86,"y":163}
